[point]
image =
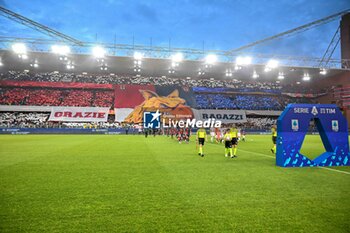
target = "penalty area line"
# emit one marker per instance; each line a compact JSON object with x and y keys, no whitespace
{"x":272,"y":157}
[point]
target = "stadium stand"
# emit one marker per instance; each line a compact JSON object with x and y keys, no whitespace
{"x":238,"y":85}
{"x":56,"y":97}
{"x":40,"y":120}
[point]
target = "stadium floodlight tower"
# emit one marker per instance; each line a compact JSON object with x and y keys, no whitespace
{"x":20,"y":49}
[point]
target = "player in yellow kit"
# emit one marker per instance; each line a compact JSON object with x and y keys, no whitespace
{"x":234,"y":140}
{"x":228,"y":143}
{"x":201,"y":137}
{"x":274,"y":137}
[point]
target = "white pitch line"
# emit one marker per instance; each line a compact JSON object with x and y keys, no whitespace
{"x":335,"y":170}
{"x":272,"y":157}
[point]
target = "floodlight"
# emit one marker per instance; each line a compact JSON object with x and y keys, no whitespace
{"x":323,"y":71}
{"x":138,"y":56}
{"x":137,"y":62}
{"x":98,"y":52}
{"x":267,"y":69}
{"x":237,"y":67}
{"x":211,"y":59}
{"x":280,"y":76}
{"x":70,"y":66}
{"x":306,"y":77}
{"x":19,"y":48}
{"x":243,"y":61}
{"x":178,"y":57}
{"x":228,"y":73}
{"x":272,"y":64}
{"x":23,"y":56}
{"x":255,"y":75}
{"x":60,"y":49}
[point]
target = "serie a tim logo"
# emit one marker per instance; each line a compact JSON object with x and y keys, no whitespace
{"x":151,"y":120}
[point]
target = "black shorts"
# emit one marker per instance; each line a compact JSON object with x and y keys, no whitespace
{"x":201,"y":141}
{"x":234,"y":141}
{"x":274,"y":138}
{"x":228,"y":144}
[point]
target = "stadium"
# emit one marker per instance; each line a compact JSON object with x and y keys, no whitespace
{"x":128,"y":137}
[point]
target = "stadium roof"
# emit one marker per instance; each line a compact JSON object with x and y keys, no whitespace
{"x":48,"y":62}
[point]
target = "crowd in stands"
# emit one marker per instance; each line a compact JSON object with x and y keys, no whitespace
{"x":246,"y":102}
{"x":214,"y":101}
{"x":209,"y":93}
{"x":40,"y":120}
{"x":160,"y":81}
{"x":56,"y":97}
{"x":24,"y":120}
{"x":259,"y":123}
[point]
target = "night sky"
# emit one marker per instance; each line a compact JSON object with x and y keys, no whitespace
{"x":220,"y":25}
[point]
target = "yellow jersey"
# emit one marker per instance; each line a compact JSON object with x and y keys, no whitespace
{"x":201,"y":133}
{"x":227,"y":137}
{"x":274,"y":132}
{"x":233,"y":132}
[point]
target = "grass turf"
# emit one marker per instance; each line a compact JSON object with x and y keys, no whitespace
{"x":89,"y":183}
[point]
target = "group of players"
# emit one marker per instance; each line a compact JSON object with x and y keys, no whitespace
{"x":229,"y":137}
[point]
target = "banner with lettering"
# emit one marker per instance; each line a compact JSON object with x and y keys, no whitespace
{"x":79,"y":114}
{"x":225,"y":116}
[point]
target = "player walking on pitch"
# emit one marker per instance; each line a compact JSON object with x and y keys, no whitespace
{"x":234,"y":140}
{"x":201,"y":137}
{"x":274,"y":137}
{"x":228,"y":143}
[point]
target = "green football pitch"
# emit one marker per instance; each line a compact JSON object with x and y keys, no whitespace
{"x":101,"y":183}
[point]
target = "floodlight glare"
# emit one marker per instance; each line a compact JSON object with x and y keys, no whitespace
{"x":19,"y":48}
{"x":138,"y":56}
{"x":237,"y":67}
{"x":272,"y":64}
{"x":98,"y":52}
{"x":178,"y":57}
{"x":280,"y":76}
{"x":255,"y":75}
{"x":60,"y":49}
{"x":323,"y":71}
{"x":243,"y":61}
{"x":211,"y":59}
{"x":267,"y":69}
{"x":306,"y":77}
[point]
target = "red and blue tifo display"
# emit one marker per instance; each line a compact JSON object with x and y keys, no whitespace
{"x":292,"y":126}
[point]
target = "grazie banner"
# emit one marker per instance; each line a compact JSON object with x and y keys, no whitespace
{"x":225,"y":116}
{"x":79,"y":114}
